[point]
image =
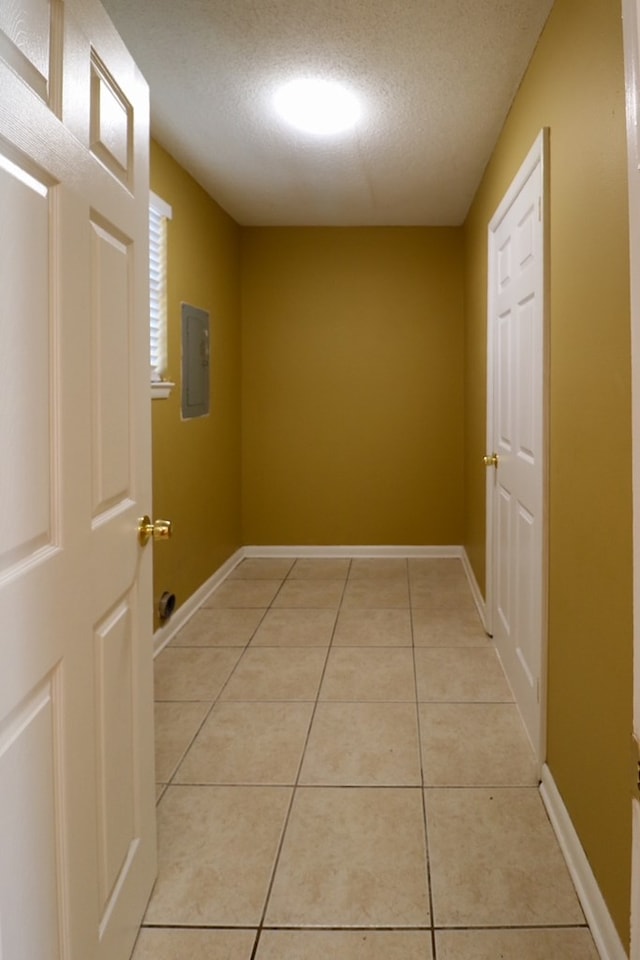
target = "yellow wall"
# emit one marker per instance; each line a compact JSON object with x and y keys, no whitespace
{"x":196,"y":463}
{"x":352,"y":385}
{"x":575,"y":86}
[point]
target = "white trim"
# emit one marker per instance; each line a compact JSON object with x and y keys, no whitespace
{"x":159,"y":215}
{"x":186,"y":610}
{"x":353,"y":551}
{"x":161,"y":389}
{"x":595,"y":909}
{"x":476,"y":592}
{"x":160,"y":206}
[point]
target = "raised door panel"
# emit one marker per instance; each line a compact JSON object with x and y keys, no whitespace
{"x":115,"y":728}
{"x":111,"y":123}
{"x":29,"y":37}
{"x":524,"y":382}
{"x":32,"y":845}
{"x":26,"y":370}
{"x":504,"y":598}
{"x":526,"y":642}
{"x":111,"y":321}
{"x":503,"y":366}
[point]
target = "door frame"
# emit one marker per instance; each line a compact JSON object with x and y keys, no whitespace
{"x":538,"y":154}
{"x":631,"y":27}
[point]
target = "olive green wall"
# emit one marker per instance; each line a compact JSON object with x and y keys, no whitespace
{"x":196,"y":463}
{"x":352,"y":385}
{"x":575,"y":86}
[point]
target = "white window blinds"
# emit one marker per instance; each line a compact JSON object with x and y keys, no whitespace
{"x":159,"y":213}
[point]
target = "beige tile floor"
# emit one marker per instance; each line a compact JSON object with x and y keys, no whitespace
{"x":342,"y":773}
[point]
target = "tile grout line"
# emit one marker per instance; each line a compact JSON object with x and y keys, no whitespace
{"x":171,"y":781}
{"x":422,"y":782}
{"x":214,"y":702}
{"x":294,"y":790}
{"x":244,"y":647}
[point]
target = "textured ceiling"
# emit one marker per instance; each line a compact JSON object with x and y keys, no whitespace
{"x":436,"y":78}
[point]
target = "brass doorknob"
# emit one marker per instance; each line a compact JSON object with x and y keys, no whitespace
{"x":491,"y":460}
{"x":158,"y":529}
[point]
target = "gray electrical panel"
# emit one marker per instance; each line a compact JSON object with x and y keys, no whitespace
{"x":195,"y":362}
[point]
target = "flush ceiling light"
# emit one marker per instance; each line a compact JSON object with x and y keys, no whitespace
{"x":323,"y":107}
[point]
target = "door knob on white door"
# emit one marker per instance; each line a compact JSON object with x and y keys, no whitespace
{"x":158,"y":529}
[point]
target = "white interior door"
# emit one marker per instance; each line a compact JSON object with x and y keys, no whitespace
{"x":631,"y":22}
{"x":515,"y":472}
{"x":77,"y":828}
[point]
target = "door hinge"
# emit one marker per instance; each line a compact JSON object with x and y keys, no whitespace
{"x":635,"y":766}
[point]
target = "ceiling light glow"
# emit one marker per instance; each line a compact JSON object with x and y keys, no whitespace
{"x":322,"y":107}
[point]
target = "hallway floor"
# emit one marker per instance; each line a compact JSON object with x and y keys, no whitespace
{"x":342,"y":774}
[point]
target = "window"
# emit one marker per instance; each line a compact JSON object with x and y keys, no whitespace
{"x":159,"y":213}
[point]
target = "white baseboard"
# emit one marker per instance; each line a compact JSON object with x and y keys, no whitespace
{"x":476,"y":592}
{"x":186,"y":610}
{"x":354,"y":551}
{"x":595,"y":909}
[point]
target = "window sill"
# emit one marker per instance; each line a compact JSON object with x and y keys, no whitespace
{"x":161,"y":389}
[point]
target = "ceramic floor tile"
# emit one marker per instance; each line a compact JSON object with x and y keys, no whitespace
{"x":262,"y":568}
{"x":369,"y":673}
{"x":259,"y":743}
{"x":316,"y":594}
{"x":277,"y":673}
{"x":391,"y":568}
{"x":495,"y":860}
{"x":352,"y":857}
{"x":344,"y":945}
{"x":444,"y":571}
{"x":448,"y":628}
{"x":372,"y":628}
{"x":219,"y":628}
{"x":452,"y":599}
{"x":216,"y":850}
{"x":460,"y":674}
{"x":371,"y":593}
{"x":193,"y":673}
{"x":370,"y":744}
{"x":320,"y":568}
{"x":295,"y":628}
{"x":244,"y":593}
{"x":168,"y":944}
{"x":475,"y":744}
{"x":572,"y":944}
{"x":176,"y":724}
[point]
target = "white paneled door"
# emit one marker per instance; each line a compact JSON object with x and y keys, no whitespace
{"x":77,"y":830}
{"x":515,"y":462}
